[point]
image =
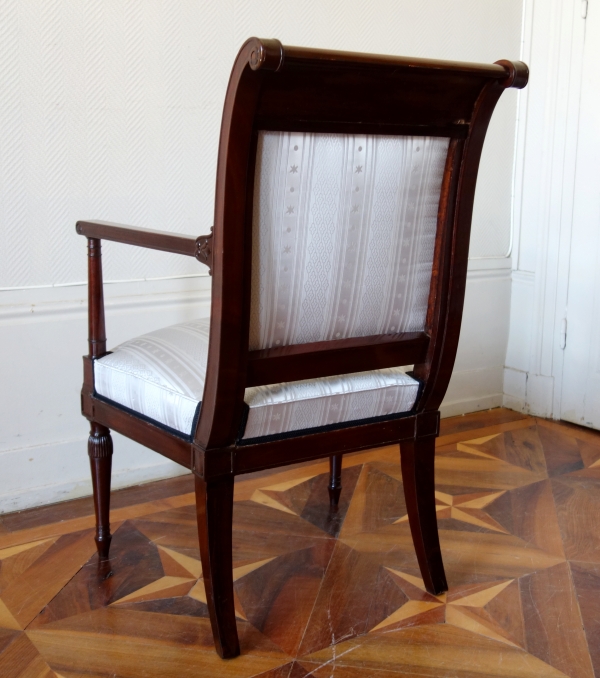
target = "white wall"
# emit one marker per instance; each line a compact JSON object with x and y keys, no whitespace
{"x":111,"y":110}
{"x":553,"y":38}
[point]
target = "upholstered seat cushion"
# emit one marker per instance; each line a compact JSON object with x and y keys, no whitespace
{"x":161,"y":376}
{"x":280,"y":408}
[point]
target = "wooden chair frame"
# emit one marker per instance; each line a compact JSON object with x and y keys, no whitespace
{"x":295,"y":89}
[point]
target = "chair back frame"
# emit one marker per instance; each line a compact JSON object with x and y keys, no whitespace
{"x":277,"y":88}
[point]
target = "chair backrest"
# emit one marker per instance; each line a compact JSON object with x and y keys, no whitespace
{"x":343,"y":233}
{"x":344,"y":196}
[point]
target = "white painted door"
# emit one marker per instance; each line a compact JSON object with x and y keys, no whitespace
{"x":580,"y":401}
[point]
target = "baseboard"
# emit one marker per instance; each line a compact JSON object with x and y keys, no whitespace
{"x":528,"y":393}
{"x":458,"y":407}
{"x":516,"y":404}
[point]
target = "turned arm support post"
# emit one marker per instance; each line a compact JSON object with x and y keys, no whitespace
{"x":100,"y":446}
{"x":96,"y":323}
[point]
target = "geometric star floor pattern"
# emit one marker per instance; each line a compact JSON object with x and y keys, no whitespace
{"x":323,"y":594}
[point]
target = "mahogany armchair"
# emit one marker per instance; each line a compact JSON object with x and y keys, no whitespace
{"x":344,"y":196}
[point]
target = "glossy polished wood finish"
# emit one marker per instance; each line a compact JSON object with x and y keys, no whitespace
{"x":335,"y":479}
{"x":142,"y":237}
{"x":214,"y":512}
{"x":100,"y":451}
{"x":417,"y":460}
{"x":340,"y":356}
{"x":318,"y":592}
{"x":200,"y":247}
{"x":298,"y":89}
{"x":96,"y":321}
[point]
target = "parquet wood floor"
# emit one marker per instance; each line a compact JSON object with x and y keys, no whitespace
{"x":321,"y":594}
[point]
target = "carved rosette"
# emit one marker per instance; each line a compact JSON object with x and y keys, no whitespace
{"x":204,"y":250}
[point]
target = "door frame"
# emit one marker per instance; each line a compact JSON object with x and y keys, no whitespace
{"x":553,"y":39}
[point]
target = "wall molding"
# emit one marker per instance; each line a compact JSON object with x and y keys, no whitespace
{"x":134,"y":295}
{"x":489,"y":274}
{"x":51,"y":310}
{"x":50,"y":302}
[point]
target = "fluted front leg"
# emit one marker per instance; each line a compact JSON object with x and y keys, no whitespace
{"x":100,"y":449}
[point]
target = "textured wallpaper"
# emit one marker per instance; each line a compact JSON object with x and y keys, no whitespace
{"x":110,"y":109}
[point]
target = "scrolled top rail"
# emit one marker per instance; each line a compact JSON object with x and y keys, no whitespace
{"x":518,"y":73}
{"x":266,"y":54}
{"x":270,"y":54}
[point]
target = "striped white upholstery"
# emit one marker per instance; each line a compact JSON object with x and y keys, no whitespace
{"x":343,"y":235}
{"x":161,"y":375}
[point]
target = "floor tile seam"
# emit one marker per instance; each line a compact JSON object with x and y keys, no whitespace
{"x":17,"y":635}
{"x":367,"y":467}
{"x":577,"y":561}
{"x":288,"y":534}
{"x":9,"y":543}
{"x":562,"y":540}
{"x":330,"y":560}
{"x":521,"y":613}
{"x":573,"y":430}
{"x":526,"y":649}
{"x":372,"y":671}
{"x":26,"y":626}
{"x":473,"y":434}
{"x":208,"y":651}
{"x":91,"y":515}
{"x":346,"y":465}
{"x":77,"y":524}
{"x":274,"y":668}
{"x":585,"y":635}
{"x":58,"y":535}
{"x":64,"y":586}
{"x":83,"y":516}
{"x":384,"y":632}
{"x":560,"y":530}
{"x":568,"y":478}
{"x":316,"y":597}
{"x":336,"y":657}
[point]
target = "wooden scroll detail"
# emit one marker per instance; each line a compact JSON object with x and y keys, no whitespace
{"x":204,"y":250}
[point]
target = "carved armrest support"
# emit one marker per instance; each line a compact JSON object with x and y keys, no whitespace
{"x":204,"y":250}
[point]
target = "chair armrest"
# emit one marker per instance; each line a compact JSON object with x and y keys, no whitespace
{"x":188,"y":245}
